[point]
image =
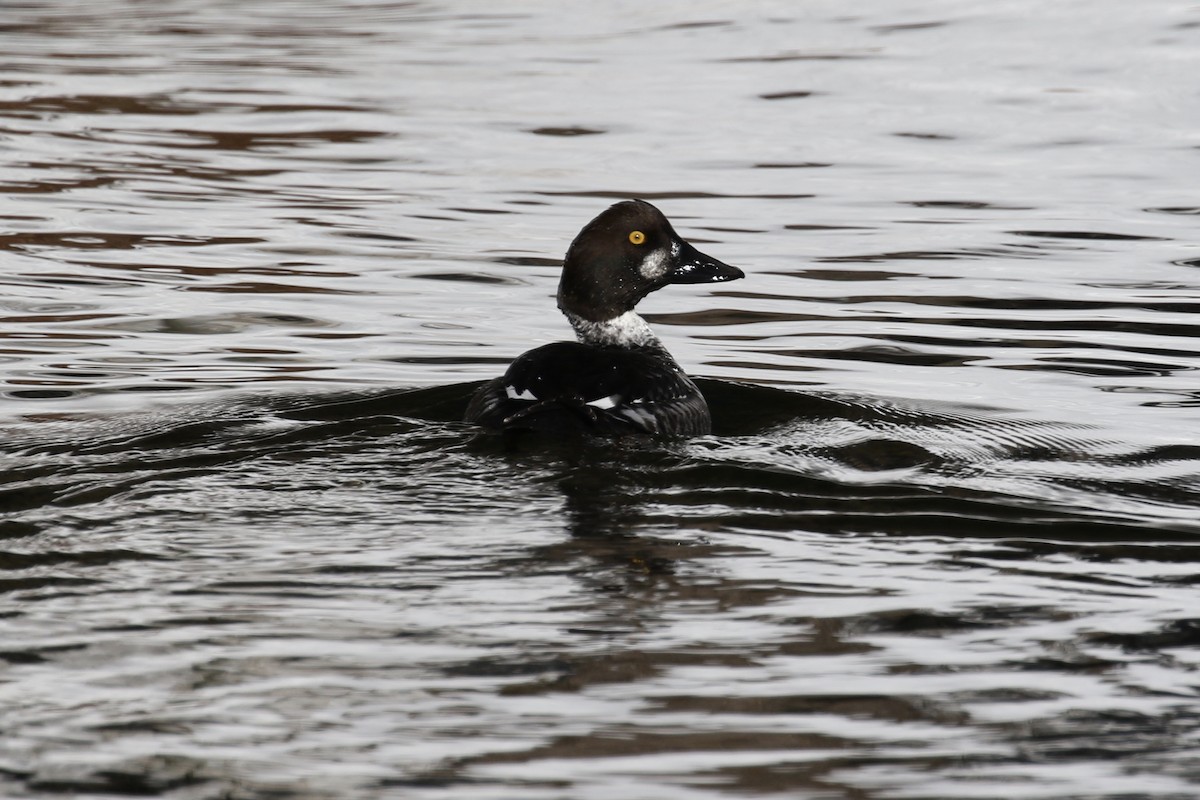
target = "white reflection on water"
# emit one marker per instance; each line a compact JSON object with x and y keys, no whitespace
{"x":984,"y":592}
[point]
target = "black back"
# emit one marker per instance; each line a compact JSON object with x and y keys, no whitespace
{"x":606,"y":391}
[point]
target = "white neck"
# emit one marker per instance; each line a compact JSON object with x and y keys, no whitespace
{"x":627,"y":330}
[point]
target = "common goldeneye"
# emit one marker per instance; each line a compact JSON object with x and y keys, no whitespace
{"x":618,"y":378}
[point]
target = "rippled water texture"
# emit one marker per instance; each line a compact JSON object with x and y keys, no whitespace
{"x":255,"y":255}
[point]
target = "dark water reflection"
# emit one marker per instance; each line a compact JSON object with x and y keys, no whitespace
{"x":941,"y":544}
{"x":360,"y":579}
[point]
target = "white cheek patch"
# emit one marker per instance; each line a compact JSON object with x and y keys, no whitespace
{"x":654,"y":265}
{"x":513,"y":394}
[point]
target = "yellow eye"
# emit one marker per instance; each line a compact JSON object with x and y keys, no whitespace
{"x":637,"y":237}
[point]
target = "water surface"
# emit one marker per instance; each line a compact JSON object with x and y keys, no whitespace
{"x":941,"y":544}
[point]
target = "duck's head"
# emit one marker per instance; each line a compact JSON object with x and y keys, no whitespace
{"x":624,"y":254}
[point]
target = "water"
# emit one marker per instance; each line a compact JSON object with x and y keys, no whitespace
{"x":942,"y":543}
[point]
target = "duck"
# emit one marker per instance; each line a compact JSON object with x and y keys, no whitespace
{"x":617,"y":379}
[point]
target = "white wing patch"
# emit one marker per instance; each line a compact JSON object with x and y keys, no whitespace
{"x":640,"y":417}
{"x":605,"y":402}
{"x":513,"y":394}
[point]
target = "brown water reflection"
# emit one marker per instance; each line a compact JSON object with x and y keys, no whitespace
{"x":256,"y":254}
